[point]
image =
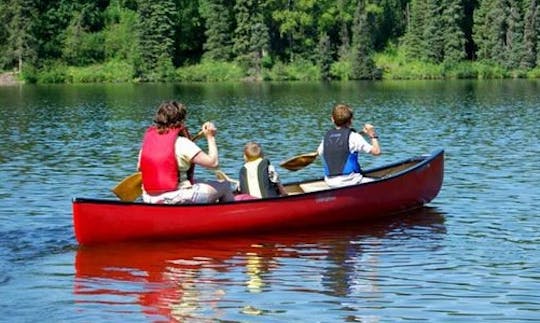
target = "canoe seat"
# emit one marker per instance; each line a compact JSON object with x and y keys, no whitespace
{"x":314,"y":186}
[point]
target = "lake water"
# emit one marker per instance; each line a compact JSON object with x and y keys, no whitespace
{"x":473,"y":254}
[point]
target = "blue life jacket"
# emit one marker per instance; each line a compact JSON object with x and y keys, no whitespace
{"x":338,"y":160}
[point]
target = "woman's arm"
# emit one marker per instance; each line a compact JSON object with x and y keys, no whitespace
{"x":210,"y":159}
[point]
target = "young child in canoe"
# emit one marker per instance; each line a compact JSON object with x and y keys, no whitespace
{"x":258,"y":177}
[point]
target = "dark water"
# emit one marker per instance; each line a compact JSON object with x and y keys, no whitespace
{"x":471,"y":255}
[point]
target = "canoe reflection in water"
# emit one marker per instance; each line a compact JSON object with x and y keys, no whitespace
{"x":213,"y":279}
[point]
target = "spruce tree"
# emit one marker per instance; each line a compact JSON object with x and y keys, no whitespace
{"x":514,"y":34}
{"x":454,"y":37}
{"x":363,"y":67}
{"x":21,"y":44}
{"x":251,"y":38}
{"x":489,"y":30}
{"x":219,"y":28}
{"x":433,"y":30}
{"x":156,"y":38}
{"x":344,"y":18}
{"x":413,"y":41}
{"x":324,"y":56}
{"x":530,"y":36}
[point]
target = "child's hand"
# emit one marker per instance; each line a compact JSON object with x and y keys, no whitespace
{"x":369,"y":130}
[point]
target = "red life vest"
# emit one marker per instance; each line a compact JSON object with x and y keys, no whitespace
{"x":158,"y":161}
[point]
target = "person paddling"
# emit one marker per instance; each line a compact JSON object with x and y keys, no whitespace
{"x":167,"y":158}
{"x":340,"y":147}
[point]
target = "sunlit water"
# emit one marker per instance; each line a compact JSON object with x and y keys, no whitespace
{"x":471,"y":255}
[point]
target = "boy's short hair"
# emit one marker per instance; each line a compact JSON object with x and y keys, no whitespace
{"x":252,"y":150}
{"x":342,"y":114}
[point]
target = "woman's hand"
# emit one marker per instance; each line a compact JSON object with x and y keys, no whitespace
{"x":209,"y":129}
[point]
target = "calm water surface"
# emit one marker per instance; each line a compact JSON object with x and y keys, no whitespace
{"x":472,"y":255}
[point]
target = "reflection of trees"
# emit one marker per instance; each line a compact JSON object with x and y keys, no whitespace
{"x":189,"y":280}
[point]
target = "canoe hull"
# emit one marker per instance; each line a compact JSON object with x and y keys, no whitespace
{"x":100,"y":221}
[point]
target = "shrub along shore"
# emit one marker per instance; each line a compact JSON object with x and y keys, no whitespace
{"x":391,"y":67}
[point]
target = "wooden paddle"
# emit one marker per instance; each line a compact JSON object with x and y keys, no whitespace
{"x":298,"y":162}
{"x":130,"y":188}
{"x":224,"y":177}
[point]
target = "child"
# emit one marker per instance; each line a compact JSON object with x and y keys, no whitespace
{"x":258,"y":177}
{"x":340,"y":147}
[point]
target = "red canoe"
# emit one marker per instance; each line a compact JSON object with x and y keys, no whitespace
{"x":398,"y":187}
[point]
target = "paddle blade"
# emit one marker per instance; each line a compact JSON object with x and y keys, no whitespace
{"x":220,"y":175}
{"x":298,"y":162}
{"x":130,"y":188}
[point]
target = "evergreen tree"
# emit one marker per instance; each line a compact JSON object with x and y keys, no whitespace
{"x":188,"y":41}
{"x":530,"y":36}
{"x":391,"y":23}
{"x":413,"y":41}
{"x":156,"y":38}
{"x":251,"y":37}
{"x":363,"y":67}
{"x":498,"y":32}
{"x":54,"y":18}
{"x":514,"y":34}
{"x":345,"y":42}
{"x":325,"y":56}
{"x":344,"y":17}
{"x":21,"y":45}
{"x":454,"y":37}
{"x":433,"y":32}
{"x":219,"y":28}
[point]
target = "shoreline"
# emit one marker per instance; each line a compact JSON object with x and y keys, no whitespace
{"x":9,"y":78}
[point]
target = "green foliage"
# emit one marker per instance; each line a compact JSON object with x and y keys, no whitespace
{"x":210,"y":71}
{"x":534,"y":73}
{"x":52,"y":72}
{"x":219,"y":27}
{"x":156,"y":36}
{"x":120,"y":34}
{"x":251,"y":40}
{"x":363,"y":67}
{"x":413,"y":40}
{"x":20,"y":42}
{"x":297,"y":24}
{"x":489,"y":71}
{"x":454,"y":36}
{"x":110,"y":72}
{"x":530,"y":36}
{"x":300,"y":70}
{"x":115,"y":40}
{"x":324,"y":52}
{"x":341,"y":70}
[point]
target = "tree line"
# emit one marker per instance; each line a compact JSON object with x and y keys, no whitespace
{"x":164,"y":40}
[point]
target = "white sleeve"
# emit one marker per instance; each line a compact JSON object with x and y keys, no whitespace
{"x":320,"y":148}
{"x":185,"y":150}
{"x":357,"y":143}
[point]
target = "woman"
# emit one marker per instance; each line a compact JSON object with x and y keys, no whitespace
{"x":167,"y":158}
